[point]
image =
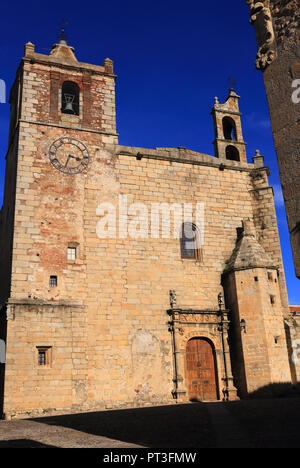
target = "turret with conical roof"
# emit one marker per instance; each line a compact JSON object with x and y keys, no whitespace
{"x":248,"y":252}
{"x":251,"y":286}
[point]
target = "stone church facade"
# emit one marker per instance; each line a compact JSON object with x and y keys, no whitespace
{"x":93,"y":321}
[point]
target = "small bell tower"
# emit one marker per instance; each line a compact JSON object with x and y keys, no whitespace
{"x":229,"y":143}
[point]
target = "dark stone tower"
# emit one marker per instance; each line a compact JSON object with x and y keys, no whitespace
{"x":276,"y":23}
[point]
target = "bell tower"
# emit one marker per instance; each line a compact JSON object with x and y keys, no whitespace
{"x":61,"y":148}
{"x":229,"y":143}
{"x":69,"y":93}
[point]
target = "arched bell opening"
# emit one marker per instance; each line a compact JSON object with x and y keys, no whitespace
{"x":70,"y":98}
{"x":229,"y":129}
{"x":232,"y":153}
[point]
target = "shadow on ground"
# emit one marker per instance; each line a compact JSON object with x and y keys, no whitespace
{"x":23,"y":443}
{"x":178,"y":426}
{"x":264,"y":423}
{"x":268,"y":423}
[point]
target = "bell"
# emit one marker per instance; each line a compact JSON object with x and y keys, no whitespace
{"x":69,"y":98}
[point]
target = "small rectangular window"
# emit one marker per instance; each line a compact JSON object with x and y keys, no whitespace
{"x":43,"y":356}
{"x":71,"y":253}
{"x":53,"y":281}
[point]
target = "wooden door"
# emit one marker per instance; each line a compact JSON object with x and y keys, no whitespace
{"x":201,"y":372}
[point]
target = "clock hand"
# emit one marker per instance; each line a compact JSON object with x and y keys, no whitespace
{"x":68,"y":159}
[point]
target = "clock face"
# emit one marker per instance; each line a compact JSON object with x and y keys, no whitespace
{"x":69,"y":155}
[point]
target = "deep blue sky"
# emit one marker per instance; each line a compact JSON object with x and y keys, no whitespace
{"x":171,"y":58}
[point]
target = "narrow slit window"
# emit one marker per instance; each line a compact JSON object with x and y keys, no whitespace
{"x":272,"y":299}
{"x":42,"y":358}
{"x":270,"y":276}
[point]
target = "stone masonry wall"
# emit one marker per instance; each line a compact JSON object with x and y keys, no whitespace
{"x":122,"y":285}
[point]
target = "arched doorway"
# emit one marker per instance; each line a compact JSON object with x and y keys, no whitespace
{"x":201,"y":370}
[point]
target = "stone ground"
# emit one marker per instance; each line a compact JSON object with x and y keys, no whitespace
{"x":242,"y":424}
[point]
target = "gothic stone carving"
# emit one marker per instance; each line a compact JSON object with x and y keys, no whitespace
{"x":199,"y":318}
{"x":261,"y":19}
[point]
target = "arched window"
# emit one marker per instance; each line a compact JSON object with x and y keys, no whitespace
{"x":232,"y":153}
{"x":229,"y":129}
{"x":70,"y":98}
{"x":190,"y":242}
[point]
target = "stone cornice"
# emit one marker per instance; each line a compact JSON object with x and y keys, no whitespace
{"x":195,"y":311}
{"x":76,"y":66}
{"x":233,"y":142}
{"x":250,"y":267}
{"x":257,"y":189}
{"x":43,"y":303}
{"x":224,"y":111}
{"x":77,"y":129}
{"x":220,"y":164}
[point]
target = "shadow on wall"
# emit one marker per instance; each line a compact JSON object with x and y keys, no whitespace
{"x":276,"y":390}
{"x":3,"y":329}
{"x":2,"y":371}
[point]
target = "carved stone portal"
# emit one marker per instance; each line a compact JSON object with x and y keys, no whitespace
{"x":261,"y":19}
